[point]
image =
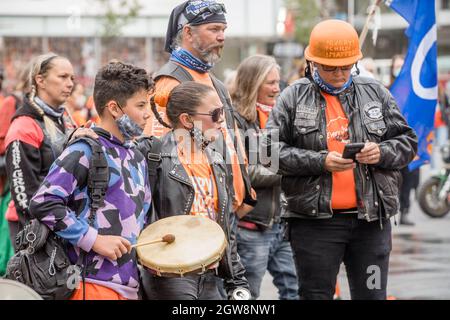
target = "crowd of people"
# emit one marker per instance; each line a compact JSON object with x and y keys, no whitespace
{"x":264,"y":162}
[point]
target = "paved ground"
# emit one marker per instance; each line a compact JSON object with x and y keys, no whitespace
{"x":420,"y":260}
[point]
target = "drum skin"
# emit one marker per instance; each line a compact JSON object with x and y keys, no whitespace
{"x":199,"y":243}
{"x":13,"y":290}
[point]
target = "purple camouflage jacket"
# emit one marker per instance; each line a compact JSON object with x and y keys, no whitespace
{"x":62,"y":203}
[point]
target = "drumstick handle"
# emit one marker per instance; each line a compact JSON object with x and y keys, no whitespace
{"x":148,"y":242}
{"x":169,"y":238}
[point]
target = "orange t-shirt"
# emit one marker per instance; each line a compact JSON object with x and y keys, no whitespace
{"x":438,"y":121}
{"x":344,"y":190}
{"x":263,"y":117}
{"x":96,"y":292}
{"x":202,"y":178}
{"x":79,"y":117}
{"x":163,"y":87}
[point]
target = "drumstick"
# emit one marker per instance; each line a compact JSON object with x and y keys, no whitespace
{"x":169,"y":238}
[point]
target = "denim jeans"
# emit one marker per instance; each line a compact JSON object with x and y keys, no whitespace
{"x":189,"y":287}
{"x":321,"y":245}
{"x":266,"y":250}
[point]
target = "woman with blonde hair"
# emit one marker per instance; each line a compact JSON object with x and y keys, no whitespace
{"x":38,"y":130}
{"x":260,"y":233}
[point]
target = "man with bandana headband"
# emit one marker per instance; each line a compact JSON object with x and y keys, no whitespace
{"x":338,"y":207}
{"x":195,"y":39}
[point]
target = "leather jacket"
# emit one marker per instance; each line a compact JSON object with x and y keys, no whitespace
{"x":299,"y":121}
{"x":267,"y":184}
{"x":174,"y":195}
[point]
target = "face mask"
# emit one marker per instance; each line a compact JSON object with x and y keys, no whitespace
{"x":127,"y":127}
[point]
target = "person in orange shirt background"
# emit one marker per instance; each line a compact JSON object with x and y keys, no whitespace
{"x":2,"y":97}
{"x":93,"y":115}
{"x":75,"y":105}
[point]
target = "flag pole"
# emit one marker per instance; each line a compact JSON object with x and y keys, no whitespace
{"x":363,"y":35}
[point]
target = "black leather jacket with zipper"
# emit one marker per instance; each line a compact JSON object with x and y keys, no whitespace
{"x":267,"y":184}
{"x":299,"y":121}
{"x":174,"y":195}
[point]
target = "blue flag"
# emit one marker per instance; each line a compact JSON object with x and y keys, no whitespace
{"x":415,"y":88}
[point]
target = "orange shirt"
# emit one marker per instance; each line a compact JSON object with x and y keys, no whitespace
{"x":163,"y":87}
{"x":263,"y":117}
{"x":79,"y":117}
{"x":438,"y":121}
{"x":344,"y":189}
{"x":202,"y":178}
{"x":95,"y":292}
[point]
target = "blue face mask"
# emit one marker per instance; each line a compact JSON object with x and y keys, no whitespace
{"x":328,"y":88}
{"x":127,"y":127}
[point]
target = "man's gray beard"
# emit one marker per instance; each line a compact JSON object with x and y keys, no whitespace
{"x":207,"y":56}
{"x":210,"y":57}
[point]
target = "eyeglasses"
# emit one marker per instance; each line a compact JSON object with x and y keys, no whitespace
{"x":333,"y":68}
{"x":215,"y":114}
{"x":215,"y":8}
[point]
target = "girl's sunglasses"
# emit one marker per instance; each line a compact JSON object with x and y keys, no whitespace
{"x":215,"y":114}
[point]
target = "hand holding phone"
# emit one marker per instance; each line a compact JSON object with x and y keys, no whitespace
{"x":351,"y":149}
{"x":370,"y":154}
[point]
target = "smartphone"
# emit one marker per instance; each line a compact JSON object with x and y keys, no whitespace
{"x":351,"y":149}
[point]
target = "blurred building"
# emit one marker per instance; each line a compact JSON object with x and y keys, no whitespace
{"x":74,"y":29}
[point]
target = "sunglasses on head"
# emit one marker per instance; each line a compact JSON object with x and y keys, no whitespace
{"x":334,"y":68}
{"x":215,"y":114}
{"x":215,"y":8}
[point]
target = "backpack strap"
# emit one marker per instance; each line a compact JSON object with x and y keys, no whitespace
{"x":150,"y":147}
{"x":97,"y":184}
{"x":98,"y":176}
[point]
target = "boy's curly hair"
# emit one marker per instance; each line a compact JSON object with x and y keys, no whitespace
{"x":119,"y":81}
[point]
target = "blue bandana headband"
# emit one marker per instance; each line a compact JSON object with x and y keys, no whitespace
{"x":328,"y":88}
{"x":185,"y":58}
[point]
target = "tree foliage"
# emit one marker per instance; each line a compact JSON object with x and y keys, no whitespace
{"x":118,"y":13}
{"x":306,"y":14}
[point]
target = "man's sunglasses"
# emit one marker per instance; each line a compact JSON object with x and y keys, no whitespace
{"x":216,"y":8}
{"x":333,"y":68}
{"x":215,"y":114}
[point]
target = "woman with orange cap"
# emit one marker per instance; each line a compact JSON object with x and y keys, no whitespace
{"x":338,"y":206}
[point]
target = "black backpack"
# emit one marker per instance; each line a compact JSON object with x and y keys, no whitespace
{"x":41,"y":261}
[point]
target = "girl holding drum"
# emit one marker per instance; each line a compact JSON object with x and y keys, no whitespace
{"x":192,"y":181}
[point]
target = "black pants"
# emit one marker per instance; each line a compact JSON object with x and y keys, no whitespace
{"x":321,"y":245}
{"x":410,"y":182}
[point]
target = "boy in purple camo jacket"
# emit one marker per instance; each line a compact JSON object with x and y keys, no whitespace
{"x":62,"y":202}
